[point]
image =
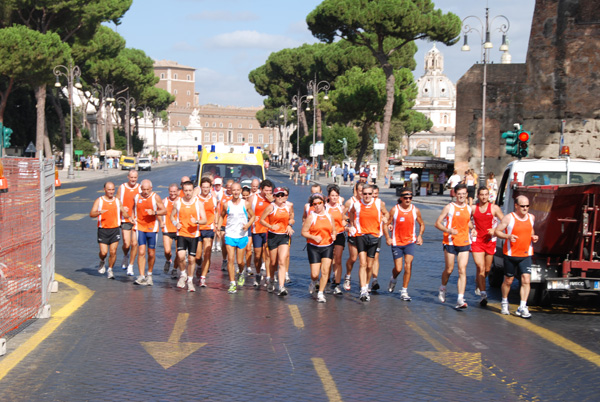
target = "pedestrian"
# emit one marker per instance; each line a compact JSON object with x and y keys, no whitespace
{"x":455,"y":223}
{"x":470,"y":182}
{"x":170,"y":230}
{"x":452,"y":182}
{"x":373,"y":175}
{"x":207,"y":230}
{"x":336,"y":209}
{"x":278,"y":218}
{"x":517,"y":228}
{"x":240,"y":217}
{"x":292,"y":170}
{"x":108,"y":210}
{"x":302,"y":170}
{"x":126,"y":194}
{"x":363,"y":177}
{"x":414,"y":180}
{"x":351,"y":174}
{"x":492,"y":186}
{"x":259,"y":203}
{"x":148,"y":206}
{"x":403,"y":221}
{"x":373,"y":283}
{"x":296,"y":168}
{"x":188,"y":213}
{"x":486,"y":216}
{"x":319,"y":231}
{"x":345,"y":173}
{"x":338,"y":175}
{"x":352,"y":250}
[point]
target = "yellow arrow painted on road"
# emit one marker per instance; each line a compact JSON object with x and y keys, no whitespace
{"x":465,"y":364}
{"x":66,"y":191}
{"x":169,"y":353}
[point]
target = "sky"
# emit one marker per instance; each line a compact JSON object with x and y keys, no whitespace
{"x":225,"y":40}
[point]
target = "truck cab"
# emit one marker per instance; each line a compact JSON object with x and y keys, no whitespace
{"x":241,"y":163}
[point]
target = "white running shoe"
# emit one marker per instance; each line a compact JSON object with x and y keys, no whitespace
{"x":404,"y":296}
{"x":347,"y":284}
{"x":442,"y":295}
{"x":140,"y":281}
{"x":477,"y":292}
{"x":523,"y":312}
{"x":149,"y":280}
{"x":125,"y":262}
{"x":321,"y":298}
{"x":101,"y":268}
{"x":130,"y":270}
{"x":191,"y":287}
{"x":182,"y":280}
{"x":202,"y":282}
{"x":504,"y":309}
{"x":110,"y":274}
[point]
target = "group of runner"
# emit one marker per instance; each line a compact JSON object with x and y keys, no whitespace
{"x":258,"y":222}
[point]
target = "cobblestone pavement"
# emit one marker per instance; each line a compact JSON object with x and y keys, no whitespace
{"x":161,"y":343}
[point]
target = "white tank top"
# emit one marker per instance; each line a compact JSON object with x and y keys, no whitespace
{"x":237,"y":218}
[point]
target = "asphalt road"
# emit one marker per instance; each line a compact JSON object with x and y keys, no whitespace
{"x":161,"y":343}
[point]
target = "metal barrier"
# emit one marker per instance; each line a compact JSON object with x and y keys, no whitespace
{"x":27,"y":241}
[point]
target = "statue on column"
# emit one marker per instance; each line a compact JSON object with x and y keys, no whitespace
{"x":375,"y":140}
{"x":344,"y":142}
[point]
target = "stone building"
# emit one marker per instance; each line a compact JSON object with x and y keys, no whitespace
{"x":436,"y":99}
{"x":558,"y":82}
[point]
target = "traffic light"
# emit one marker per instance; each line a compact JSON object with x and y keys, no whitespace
{"x":524,"y":137}
{"x":6,"y":133}
{"x":512,"y":146}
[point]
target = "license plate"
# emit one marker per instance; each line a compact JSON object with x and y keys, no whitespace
{"x":596,"y":285}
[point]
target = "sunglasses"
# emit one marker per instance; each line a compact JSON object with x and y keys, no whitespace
{"x":524,"y":206}
{"x":281,"y":195}
{"x":407,"y":197}
{"x":368,"y":193}
{"x":317,"y":203}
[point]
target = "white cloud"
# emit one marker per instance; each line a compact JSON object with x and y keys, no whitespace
{"x":224,"y":15}
{"x":250,"y":39}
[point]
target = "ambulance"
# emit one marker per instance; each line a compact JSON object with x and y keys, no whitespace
{"x":241,"y":163}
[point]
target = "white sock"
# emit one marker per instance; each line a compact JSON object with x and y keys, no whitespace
{"x":523,"y":304}
{"x":348,"y":276}
{"x":461,"y":297}
{"x":404,"y":290}
{"x":232,"y":283}
{"x":505,"y":300}
{"x":364,"y":289}
{"x":320,"y":294}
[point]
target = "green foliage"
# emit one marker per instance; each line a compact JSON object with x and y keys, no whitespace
{"x":85,"y":145}
{"x":332,"y":137}
{"x":419,"y":152}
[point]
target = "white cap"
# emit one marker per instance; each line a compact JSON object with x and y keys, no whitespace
{"x":218,"y":180}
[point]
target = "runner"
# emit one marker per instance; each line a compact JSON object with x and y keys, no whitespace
{"x":108,"y":210}
{"x":259,"y":203}
{"x":352,"y":250}
{"x":246,"y":194}
{"x":404,"y":217}
{"x":207,"y":230}
{"x":169,"y":230}
{"x":366,"y":217}
{"x":278,"y":218}
{"x":254,"y":187}
{"x":319,"y":231}
{"x":486,"y":216}
{"x":239,"y":217}
{"x":314,"y":189}
{"x":455,"y":222}
{"x":373,"y":284}
{"x":517,"y":229}
{"x":336,"y":209}
{"x":126,"y":194}
{"x":148,"y":206}
{"x":302,"y":170}
{"x":226,"y":196}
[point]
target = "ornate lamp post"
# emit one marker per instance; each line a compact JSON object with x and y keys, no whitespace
{"x":297,"y":102}
{"x":313,"y":88}
{"x":72,"y":73}
{"x":129,"y":103}
{"x":484,"y":32}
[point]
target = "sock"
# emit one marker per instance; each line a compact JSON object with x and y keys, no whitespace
{"x":461,"y":297}
{"x":484,"y":294}
{"x":101,"y":262}
{"x":232,"y":283}
{"x":149,"y":273}
{"x":364,"y":289}
{"x":523,"y":304}
{"x":442,"y":288}
{"x":189,"y":279}
{"x":505,"y":300}
{"x":404,"y":290}
{"x":348,"y":276}
{"x":320,"y":294}
{"x":203,"y":277}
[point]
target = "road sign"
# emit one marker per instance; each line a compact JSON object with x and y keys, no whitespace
{"x":30,"y":148}
{"x":78,"y":152}
{"x":379,"y":146}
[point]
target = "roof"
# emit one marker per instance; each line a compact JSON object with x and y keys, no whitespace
{"x":171,"y":64}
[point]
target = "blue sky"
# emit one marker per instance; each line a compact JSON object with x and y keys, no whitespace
{"x":224,"y":40}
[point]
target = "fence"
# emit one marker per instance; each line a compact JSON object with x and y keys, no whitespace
{"x":27,"y":241}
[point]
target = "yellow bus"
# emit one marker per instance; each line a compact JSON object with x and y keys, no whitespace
{"x":241,"y":163}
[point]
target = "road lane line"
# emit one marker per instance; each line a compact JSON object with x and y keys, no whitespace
{"x":74,"y":217}
{"x":13,"y":359}
{"x":61,"y":192}
{"x":437,"y":345}
{"x":328,"y":384}
{"x":295,"y":312}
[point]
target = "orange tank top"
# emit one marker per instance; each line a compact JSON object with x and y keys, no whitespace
{"x":225,"y":198}
{"x":144,"y":221}
{"x":404,"y":225}
{"x":259,"y":204}
{"x":279,"y":218}
{"x":168,"y":226}
{"x":127,"y":195}
{"x":209,"y":204}
{"x":368,"y":218}
{"x":185,"y":213}
{"x":336,"y":213}
{"x":110,"y":219}
{"x":522,"y":246}
{"x":458,"y":218}
{"x":321,"y":226}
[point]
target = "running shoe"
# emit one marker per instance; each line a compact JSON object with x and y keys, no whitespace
{"x":328,"y":288}
{"x":287,"y":278}
{"x":404,"y":296}
{"x":347,"y":285}
{"x":241,"y":279}
{"x":149,"y":280}
{"x":191,"y":287}
{"x":174,"y":274}
{"x":101,"y":268}
{"x":484,"y":301}
{"x":321,"y":298}
{"x":364,"y":297}
{"x":202,"y":282}
{"x":130,"y":270}
{"x":263,"y":272}
{"x":224,"y":265}
{"x":391,"y":287}
{"x":282,"y":292}
{"x":504,"y":309}
{"x":232,"y":288}
{"x":125,"y":262}
{"x":312,"y":287}
{"x":477,"y":292}
{"x":337,"y":291}
{"x":140,"y":281}
{"x":182,"y":280}
{"x":461,"y":305}
{"x":271,"y":287}
{"x":374,"y":285}
{"x":523,"y":312}
{"x":218,"y":247}
{"x":442,"y":295}
{"x":256,"y":282}
{"x":249,"y":271}
{"x":167,"y":266}
{"x":110,"y":274}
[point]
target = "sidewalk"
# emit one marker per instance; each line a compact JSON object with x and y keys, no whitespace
{"x":91,"y":174}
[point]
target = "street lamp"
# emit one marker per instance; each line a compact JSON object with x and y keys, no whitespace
{"x":285,"y":140}
{"x":484,"y":32}
{"x":129,"y":103}
{"x":313,"y":88}
{"x":72,"y":73}
{"x":297,"y":102}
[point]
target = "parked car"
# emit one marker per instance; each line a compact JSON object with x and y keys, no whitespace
{"x":144,"y":163}
{"x":127,"y":162}
{"x":397,"y":179}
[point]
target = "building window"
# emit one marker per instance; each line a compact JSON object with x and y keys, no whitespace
{"x":178,"y":123}
{"x":206,"y":137}
{"x":240,"y":125}
{"x":250,"y":138}
{"x":221,"y":137}
{"x":260,"y":138}
{"x":240,"y":137}
{"x":220,"y":125}
{"x":270,"y":138}
{"x":189,"y":78}
{"x":214,"y":137}
{"x":206,"y":124}
{"x":214,"y":124}
{"x":162,"y":76}
{"x":175,"y":92}
{"x":188,"y":104}
{"x":250,"y":126}
{"x":175,"y":103}
{"x":188,"y":93}
{"x":230,"y":125}
{"x":174,"y":76}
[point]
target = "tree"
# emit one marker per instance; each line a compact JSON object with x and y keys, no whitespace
{"x":413,"y":122}
{"x":384,"y":27}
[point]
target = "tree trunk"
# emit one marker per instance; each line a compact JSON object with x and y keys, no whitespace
{"x":304,"y":124}
{"x":390,"y":83}
{"x":364,"y":143}
{"x":4,"y":98}
{"x":61,"y":119}
{"x":109,"y":128}
{"x":40,"y":97}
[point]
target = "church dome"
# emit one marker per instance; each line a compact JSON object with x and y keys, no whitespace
{"x":434,"y":84}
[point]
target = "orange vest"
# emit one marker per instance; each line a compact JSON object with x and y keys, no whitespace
{"x":521,"y":247}
{"x":336,"y":212}
{"x":259,"y":204}
{"x":110,"y":219}
{"x":127,"y":197}
{"x":185,"y":213}
{"x":168,"y":226}
{"x":404,"y":225}
{"x":279,"y":218}
{"x":210,"y":204}
{"x":144,"y":221}
{"x":321,"y":226}
{"x":458,"y":218}
{"x":368,"y":218}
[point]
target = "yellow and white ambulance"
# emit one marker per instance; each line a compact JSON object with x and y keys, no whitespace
{"x":241,"y":163}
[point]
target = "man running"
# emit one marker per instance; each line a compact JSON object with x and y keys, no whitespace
{"x":517,"y":230}
{"x":352,"y":250}
{"x":259,"y":203}
{"x":455,"y":222}
{"x":485,"y":217}
{"x":169,"y":230}
{"x":207,"y":230}
{"x":108,"y":210}
{"x":148,"y":206}
{"x":404,"y":217}
{"x":126,"y":194}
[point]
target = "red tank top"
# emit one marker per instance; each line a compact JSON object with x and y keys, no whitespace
{"x":484,"y":221}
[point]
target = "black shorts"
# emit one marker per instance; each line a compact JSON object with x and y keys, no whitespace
{"x":207,"y":234}
{"x":171,"y":235}
{"x":259,"y":239}
{"x":317,"y":253}
{"x":126,"y":225}
{"x":189,"y":244}
{"x":369,"y":244}
{"x":109,"y":236}
{"x":352,"y":240}
{"x":340,"y":240}
{"x":516,"y":266}
{"x":471,"y":191}
{"x":275,"y":240}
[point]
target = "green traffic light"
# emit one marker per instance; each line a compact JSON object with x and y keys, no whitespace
{"x":512,"y":143}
